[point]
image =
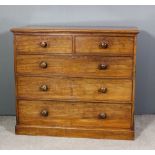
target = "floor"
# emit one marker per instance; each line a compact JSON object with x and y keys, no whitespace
{"x":145,"y":138}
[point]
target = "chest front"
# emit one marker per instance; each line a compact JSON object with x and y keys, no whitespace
{"x":75,"y":82}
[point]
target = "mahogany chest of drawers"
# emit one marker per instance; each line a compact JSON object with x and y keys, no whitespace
{"x":75,"y":82}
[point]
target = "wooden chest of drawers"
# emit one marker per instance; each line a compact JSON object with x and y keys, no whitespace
{"x":75,"y":82}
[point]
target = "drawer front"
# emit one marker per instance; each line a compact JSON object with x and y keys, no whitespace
{"x":104,"y":45}
{"x":77,"y":66}
{"x":43,"y":44}
{"x":74,"y":114}
{"x":74,"y":88}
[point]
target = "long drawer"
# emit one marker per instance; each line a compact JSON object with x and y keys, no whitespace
{"x":104,"y":45}
{"x":74,"y":114}
{"x":32,"y":44}
{"x":78,"y":66}
{"x":74,"y":88}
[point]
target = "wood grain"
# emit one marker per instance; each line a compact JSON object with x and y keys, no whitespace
{"x":76,"y":29}
{"x":116,"y":45}
{"x":55,"y":44}
{"x":74,"y":88}
{"x":79,"y":93}
{"x":120,"y":134}
{"x":75,"y":66}
{"x":64,"y":114}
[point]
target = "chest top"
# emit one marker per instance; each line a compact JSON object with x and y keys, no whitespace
{"x":43,"y":29}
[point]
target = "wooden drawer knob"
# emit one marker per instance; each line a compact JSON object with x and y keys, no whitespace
{"x":102,"y":90}
{"x":44,"y":88}
{"x":102,"y":66}
{"x":103,"y":44}
{"x":44,"y":113}
{"x":43,"y":44}
{"x":43,"y":64}
{"x":102,"y":115}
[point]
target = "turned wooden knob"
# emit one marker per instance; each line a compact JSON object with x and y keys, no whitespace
{"x":44,"y":113}
{"x":102,"y":115}
{"x":43,"y":64}
{"x":43,"y":44}
{"x":102,"y":90}
{"x":43,"y":87}
{"x":103,"y":44}
{"x":102,"y":66}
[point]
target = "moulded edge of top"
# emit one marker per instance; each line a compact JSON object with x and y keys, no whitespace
{"x":36,"y":29}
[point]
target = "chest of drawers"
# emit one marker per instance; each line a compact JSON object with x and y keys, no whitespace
{"x":75,"y":82}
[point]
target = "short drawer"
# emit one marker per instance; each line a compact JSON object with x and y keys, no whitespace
{"x":77,"y":66}
{"x":106,"y":45}
{"x":32,"y":44}
{"x":74,"y":88}
{"x":74,"y":114}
